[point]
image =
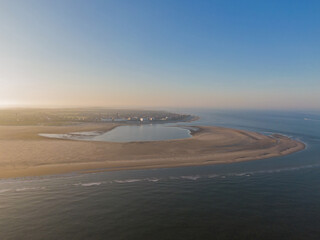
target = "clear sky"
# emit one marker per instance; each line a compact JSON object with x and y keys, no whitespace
{"x":161,"y":53}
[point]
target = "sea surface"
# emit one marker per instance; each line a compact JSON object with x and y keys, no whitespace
{"x":277,"y":198}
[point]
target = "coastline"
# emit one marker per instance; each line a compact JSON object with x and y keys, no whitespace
{"x":208,"y":145}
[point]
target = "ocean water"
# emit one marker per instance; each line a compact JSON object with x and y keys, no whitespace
{"x":277,"y":198}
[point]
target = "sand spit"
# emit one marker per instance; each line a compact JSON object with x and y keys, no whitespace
{"x":24,"y":153}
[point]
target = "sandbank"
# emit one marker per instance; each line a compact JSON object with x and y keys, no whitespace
{"x":24,"y":153}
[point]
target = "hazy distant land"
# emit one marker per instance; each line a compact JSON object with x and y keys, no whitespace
{"x":55,"y":116}
{"x":24,"y":153}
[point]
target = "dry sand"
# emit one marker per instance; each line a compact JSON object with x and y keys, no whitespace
{"x":24,"y":153}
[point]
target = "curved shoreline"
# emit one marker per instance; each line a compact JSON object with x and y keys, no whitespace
{"x":208,"y":145}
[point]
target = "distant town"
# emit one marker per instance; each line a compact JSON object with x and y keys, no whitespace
{"x":62,"y":116}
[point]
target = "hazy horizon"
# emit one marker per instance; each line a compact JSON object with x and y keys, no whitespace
{"x":160,"y":54}
{"x":184,"y":109}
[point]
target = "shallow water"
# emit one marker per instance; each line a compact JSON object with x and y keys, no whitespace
{"x":274,"y":198}
{"x":130,"y":133}
{"x":151,"y":132}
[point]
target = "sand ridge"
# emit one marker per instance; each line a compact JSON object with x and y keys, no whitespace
{"x":24,"y":153}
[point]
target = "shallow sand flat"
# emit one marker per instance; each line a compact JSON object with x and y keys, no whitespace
{"x":24,"y":153}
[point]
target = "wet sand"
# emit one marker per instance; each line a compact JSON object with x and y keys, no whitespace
{"x":24,"y":153}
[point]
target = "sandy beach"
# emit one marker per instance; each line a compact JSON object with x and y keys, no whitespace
{"x":24,"y":153}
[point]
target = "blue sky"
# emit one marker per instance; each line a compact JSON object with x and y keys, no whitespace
{"x":221,"y":54}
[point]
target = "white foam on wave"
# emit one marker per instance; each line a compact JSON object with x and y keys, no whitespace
{"x":88,"y":184}
{"x":137,"y":180}
{"x":118,"y":181}
{"x":241,"y":174}
{"x":153,"y":179}
{"x":222,"y":176}
{"x":40,"y":179}
{"x":271,"y":171}
{"x":194,"y":178}
{"x":128,"y":181}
